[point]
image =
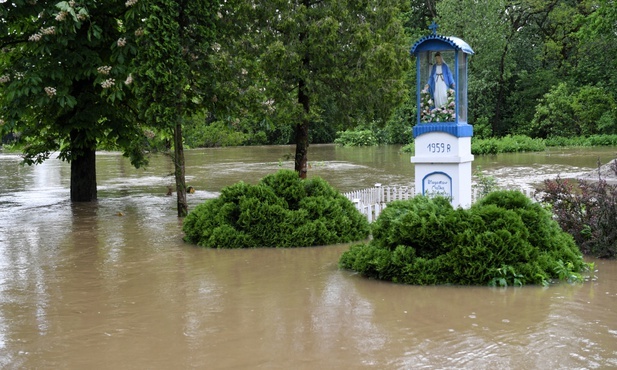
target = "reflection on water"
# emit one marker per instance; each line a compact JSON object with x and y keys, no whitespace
{"x":111,"y":285}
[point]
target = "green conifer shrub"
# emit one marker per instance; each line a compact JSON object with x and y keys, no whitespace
{"x":503,"y":239}
{"x":282,"y":210}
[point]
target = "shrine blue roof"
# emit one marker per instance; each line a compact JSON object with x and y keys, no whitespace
{"x":438,"y":42}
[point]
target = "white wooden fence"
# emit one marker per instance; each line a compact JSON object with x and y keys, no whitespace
{"x":372,"y":201}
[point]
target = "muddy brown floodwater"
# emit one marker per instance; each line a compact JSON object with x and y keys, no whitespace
{"x":111,"y":285}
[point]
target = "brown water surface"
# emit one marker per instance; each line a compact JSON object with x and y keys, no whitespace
{"x":111,"y":285}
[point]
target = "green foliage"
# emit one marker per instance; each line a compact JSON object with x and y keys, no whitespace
{"x":522,"y":143}
{"x":527,"y":49}
{"x":593,"y":140}
{"x":507,"y":144}
{"x":281,"y":211}
{"x":356,"y":138}
{"x":482,"y":128}
{"x":215,"y":134}
{"x":506,"y":275}
{"x":409,"y":148}
{"x":574,"y":111}
{"x":561,"y":141}
{"x":62,"y":70}
{"x":566,"y":272}
{"x":398,"y":129}
{"x":172,"y":69}
{"x":485,"y":184}
{"x":504,"y":239}
{"x":597,"y":47}
{"x":327,"y":66}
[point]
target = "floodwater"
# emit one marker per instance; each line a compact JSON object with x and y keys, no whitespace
{"x":111,"y":285}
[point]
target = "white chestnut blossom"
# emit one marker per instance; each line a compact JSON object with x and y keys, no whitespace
{"x":61,"y":16}
{"x":50,"y":91}
{"x":121,"y":42}
{"x":108,"y":83}
{"x":36,"y":37}
{"x":104,"y":70}
{"x":129,"y":80}
{"x":48,"y":31}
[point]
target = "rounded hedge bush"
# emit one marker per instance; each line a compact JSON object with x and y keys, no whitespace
{"x":282,"y":210}
{"x":504,"y":239}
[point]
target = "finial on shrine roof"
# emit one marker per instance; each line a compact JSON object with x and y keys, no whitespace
{"x":433,"y":27}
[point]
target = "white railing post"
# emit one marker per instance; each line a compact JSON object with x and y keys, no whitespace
{"x":379,"y":192}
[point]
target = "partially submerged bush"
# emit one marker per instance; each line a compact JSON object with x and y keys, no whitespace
{"x":281,"y":211}
{"x":356,"y":138}
{"x":504,"y":239}
{"x":588,"y":211}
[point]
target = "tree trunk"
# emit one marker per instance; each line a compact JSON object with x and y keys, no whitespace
{"x":302,"y":133}
{"x":301,"y":162}
{"x":179,"y":168}
{"x":302,"y":129}
{"x":83,"y":171}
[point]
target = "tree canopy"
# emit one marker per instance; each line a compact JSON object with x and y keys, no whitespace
{"x":529,"y":54}
{"x":172,"y":69}
{"x":319,"y":61}
{"x":65,"y":84}
{"x":80,"y":75}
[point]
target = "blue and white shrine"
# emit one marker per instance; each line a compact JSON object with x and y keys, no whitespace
{"x":442,"y":134}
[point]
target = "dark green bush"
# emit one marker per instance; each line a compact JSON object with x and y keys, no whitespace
{"x":504,"y":239}
{"x":282,"y":210}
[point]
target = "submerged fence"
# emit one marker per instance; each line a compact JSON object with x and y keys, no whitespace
{"x":372,"y":201}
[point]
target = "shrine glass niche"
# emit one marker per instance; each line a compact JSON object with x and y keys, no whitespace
{"x":441,"y":66}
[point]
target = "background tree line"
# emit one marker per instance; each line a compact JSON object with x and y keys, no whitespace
{"x":141,"y":75}
{"x":541,"y":68}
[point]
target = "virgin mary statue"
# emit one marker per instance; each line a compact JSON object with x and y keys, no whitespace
{"x":439,"y":81}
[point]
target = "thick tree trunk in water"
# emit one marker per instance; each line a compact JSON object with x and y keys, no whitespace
{"x":83,"y":173}
{"x":179,"y":167}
